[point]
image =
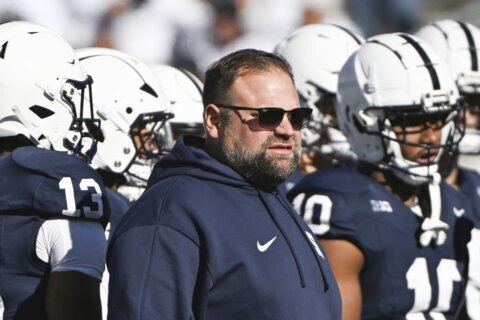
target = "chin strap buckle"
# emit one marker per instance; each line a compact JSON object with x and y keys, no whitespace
{"x":434,"y":229}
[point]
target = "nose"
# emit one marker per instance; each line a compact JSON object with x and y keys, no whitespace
{"x":432,"y":134}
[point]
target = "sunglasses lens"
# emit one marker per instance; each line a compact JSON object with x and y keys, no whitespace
{"x":299,"y":117}
{"x":270,"y":118}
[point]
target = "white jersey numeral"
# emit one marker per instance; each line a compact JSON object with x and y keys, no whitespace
{"x":418,"y":281}
{"x":67,"y":185}
{"x":1,"y":308}
{"x":472,"y":292}
{"x":85,"y":184}
{"x":316,"y":213}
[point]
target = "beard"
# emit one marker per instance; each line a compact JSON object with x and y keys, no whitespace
{"x":259,"y":168}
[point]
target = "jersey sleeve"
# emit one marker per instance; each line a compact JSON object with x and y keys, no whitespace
{"x":327,"y":213}
{"x":118,"y":207}
{"x":56,"y":184}
{"x":72,"y":245}
{"x":342,"y":203}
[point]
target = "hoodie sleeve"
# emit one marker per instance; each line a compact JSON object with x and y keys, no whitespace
{"x":154,"y":270}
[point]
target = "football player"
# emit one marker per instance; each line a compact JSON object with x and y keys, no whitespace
{"x":52,"y":208}
{"x":395,"y":234}
{"x":458,"y":43}
{"x":183,"y":91}
{"x":133,"y":109}
{"x":317,"y":52}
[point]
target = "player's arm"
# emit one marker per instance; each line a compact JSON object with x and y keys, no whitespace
{"x":73,"y":295}
{"x":346,"y":261}
{"x":75,"y":250}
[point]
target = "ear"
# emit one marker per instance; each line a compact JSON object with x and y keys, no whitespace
{"x":211,"y":118}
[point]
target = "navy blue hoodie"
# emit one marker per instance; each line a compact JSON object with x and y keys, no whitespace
{"x":202,"y":243}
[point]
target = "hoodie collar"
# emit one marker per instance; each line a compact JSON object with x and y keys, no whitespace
{"x":188,"y":157}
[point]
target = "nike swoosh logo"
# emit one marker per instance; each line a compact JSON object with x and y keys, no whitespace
{"x":264,"y":247}
{"x":458,"y":212}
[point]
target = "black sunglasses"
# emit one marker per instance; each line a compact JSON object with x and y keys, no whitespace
{"x":270,"y":118}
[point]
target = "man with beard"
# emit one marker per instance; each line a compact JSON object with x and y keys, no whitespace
{"x":211,"y":237}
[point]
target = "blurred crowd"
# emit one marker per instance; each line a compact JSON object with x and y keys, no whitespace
{"x":193,"y":33}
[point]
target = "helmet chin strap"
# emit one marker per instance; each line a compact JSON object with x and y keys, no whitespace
{"x":433,"y":230}
{"x":85,"y":147}
{"x":414,"y":176}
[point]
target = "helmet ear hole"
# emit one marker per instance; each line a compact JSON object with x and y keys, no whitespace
{"x":129,"y":110}
{"x":41,"y":112}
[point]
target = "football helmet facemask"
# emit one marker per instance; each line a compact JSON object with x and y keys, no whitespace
{"x":397,"y":80}
{"x":133,"y":109}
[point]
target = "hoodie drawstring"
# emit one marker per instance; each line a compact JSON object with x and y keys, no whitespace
{"x":287,"y":206}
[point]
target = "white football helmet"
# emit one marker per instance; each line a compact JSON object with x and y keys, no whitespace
{"x":392,"y":79}
{"x":459,"y":44}
{"x":133,"y":109}
{"x":184,"y":91}
{"x":42,"y":88}
{"x":316,"y":53}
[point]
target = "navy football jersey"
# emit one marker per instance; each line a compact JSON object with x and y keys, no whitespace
{"x":118,"y":205}
{"x":296,"y":176}
{"x":37,"y":185}
{"x":400,"y":278}
{"x":470,"y":187}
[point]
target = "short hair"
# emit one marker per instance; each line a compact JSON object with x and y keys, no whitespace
{"x":220,"y":75}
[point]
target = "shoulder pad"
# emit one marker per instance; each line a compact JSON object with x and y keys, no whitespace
{"x":52,"y":183}
{"x":51,"y":163}
{"x":346,"y":180}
